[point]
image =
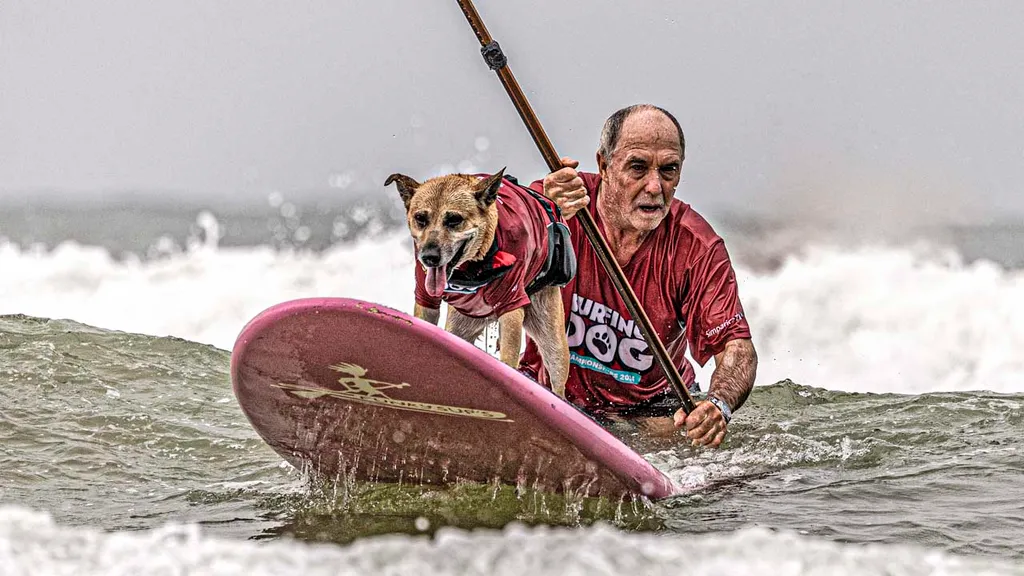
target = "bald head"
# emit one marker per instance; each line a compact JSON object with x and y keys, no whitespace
{"x":639,"y":120}
{"x":640,"y":160}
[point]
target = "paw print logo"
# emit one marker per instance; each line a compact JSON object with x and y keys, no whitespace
{"x":602,"y":343}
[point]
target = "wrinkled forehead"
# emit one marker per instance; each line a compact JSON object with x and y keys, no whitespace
{"x":650,"y":131}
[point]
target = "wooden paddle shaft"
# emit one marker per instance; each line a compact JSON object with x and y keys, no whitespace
{"x":497,"y":62}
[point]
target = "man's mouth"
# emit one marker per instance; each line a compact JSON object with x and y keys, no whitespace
{"x":650,"y":208}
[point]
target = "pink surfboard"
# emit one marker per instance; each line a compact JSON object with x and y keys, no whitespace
{"x":342,"y":386}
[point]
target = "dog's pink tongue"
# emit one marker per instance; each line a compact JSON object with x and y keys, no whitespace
{"x":437,"y":279}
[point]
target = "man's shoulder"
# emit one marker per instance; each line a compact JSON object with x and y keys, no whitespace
{"x":684,"y":220}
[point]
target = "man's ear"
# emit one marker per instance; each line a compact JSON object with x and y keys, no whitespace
{"x":487,"y":190}
{"x":406,"y":187}
{"x":602,"y":166}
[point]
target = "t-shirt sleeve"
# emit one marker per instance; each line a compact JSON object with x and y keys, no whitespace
{"x":422,"y":298}
{"x":714,"y":312}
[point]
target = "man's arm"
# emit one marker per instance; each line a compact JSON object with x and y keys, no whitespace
{"x":735,"y":370}
{"x":731,"y":382}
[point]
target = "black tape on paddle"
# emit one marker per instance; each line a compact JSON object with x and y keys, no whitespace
{"x":493,"y":56}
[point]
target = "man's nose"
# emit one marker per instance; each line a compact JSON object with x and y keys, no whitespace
{"x":652,"y":184}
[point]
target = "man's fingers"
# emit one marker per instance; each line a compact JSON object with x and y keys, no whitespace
{"x":703,"y":423}
{"x":569,"y":162}
{"x":566,"y":177}
{"x":704,"y":428}
{"x":573,"y":193}
{"x":679,"y":418}
{"x":578,"y":204}
{"x":700,"y":415}
{"x":719,"y":438}
{"x":713,"y":437}
{"x":713,"y":440}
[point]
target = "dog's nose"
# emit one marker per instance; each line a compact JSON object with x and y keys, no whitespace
{"x":430,"y":255}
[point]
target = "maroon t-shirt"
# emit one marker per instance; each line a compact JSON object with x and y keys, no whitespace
{"x":522,"y":242}
{"x":685,"y":282}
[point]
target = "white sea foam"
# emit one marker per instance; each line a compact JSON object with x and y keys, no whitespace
{"x":31,"y":543}
{"x":902,"y":320}
{"x":871,"y":319}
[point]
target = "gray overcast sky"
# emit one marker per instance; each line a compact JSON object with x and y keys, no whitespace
{"x":825,"y":106}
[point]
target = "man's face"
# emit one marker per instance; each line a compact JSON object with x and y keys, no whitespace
{"x":640,"y":178}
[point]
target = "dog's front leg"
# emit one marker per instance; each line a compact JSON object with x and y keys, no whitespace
{"x":545,"y":323}
{"x":510,"y":337}
{"x":432,"y":315}
{"x":465,"y":327}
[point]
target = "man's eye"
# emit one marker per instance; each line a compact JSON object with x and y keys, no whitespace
{"x":421,"y":219}
{"x":453,"y":220}
{"x":670,"y":169}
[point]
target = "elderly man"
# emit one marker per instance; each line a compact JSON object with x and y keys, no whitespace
{"x":679,"y":269}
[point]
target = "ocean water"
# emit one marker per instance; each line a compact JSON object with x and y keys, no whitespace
{"x":883,"y":436}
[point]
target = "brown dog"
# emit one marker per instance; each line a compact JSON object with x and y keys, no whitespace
{"x":491,"y":250}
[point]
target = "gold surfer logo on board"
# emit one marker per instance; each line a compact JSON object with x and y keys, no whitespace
{"x":356,"y":388}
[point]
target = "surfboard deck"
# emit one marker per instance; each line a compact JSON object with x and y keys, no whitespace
{"x":341,"y":386}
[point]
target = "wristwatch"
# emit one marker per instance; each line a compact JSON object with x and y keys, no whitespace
{"x":722,"y":407}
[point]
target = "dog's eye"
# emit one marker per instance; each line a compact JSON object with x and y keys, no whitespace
{"x":453,"y":220}
{"x":421,"y":219}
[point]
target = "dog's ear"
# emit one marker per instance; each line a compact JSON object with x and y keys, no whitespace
{"x":487,"y":190}
{"x":406,"y":186}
